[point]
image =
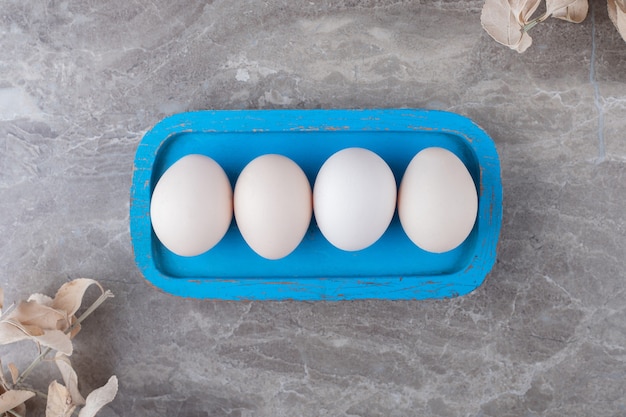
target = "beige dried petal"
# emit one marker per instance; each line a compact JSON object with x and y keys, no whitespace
{"x":59,"y":401}
{"x":621,"y":21}
{"x":617,"y":13}
{"x":75,"y":327}
{"x":524,"y":43}
{"x":612,"y":7}
{"x":41,"y":299}
{"x":70,"y":379}
{"x":99,"y":398}
{"x":570,"y":10}
{"x":15,"y":373}
{"x":554,"y":5}
{"x":33,"y":313}
{"x":56,"y":340}
{"x":12,"y":331}
{"x":14,"y":398}
{"x":10,"y":334}
{"x":523,"y":9}
{"x":70,"y":295}
{"x":3,"y":381}
{"x":505,"y":25}
{"x":621,"y":4}
{"x":20,"y":410}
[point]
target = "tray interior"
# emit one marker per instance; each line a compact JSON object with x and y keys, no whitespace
{"x":393,"y":255}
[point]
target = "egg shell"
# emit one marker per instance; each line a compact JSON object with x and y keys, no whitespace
{"x":437,"y":200}
{"x":273,"y":205}
{"x":192,"y":205}
{"x":354,"y":198}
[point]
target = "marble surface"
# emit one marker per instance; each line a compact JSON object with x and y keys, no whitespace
{"x":545,"y":335}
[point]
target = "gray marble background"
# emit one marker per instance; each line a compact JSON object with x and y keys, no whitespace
{"x":545,"y":335}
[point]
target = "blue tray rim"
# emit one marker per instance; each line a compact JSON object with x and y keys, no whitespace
{"x":331,"y":289}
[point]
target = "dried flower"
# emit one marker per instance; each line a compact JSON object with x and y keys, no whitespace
{"x":51,"y":323}
{"x":508,"y":21}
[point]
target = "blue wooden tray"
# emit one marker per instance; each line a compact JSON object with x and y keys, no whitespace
{"x":392,"y":268}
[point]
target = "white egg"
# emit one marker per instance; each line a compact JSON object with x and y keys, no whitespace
{"x":437,"y":200}
{"x":354,"y":198}
{"x":191,"y":206}
{"x":273,"y":205}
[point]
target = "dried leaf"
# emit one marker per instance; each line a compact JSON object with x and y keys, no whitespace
{"x":99,"y":398}
{"x":523,"y":10}
{"x":11,"y":332}
{"x":33,"y":313}
{"x":75,"y":327}
{"x":70,"y":379}
{"x":41,"y":299}
{"x":20,"y":410}
{"x":505,"y":21}
{"x":3,"y":381}
{"x":554,"y":5}
{"x":621,"y":19}
{"x":571,"y":10}
{"x":56,"y":340}
{"x":59,"y":401}
{"x":15,"y":373}
{"x":70,"y":295}
{"x":617,"y":13}
{"x":14,"y":398}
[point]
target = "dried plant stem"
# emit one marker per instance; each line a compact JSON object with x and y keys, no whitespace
{"x":91,"y":309}
{"x":13,"y":413}
{"x":532,"y":23}
{"x":44,"y":353}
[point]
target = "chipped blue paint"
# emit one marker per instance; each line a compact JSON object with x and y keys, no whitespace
{"x":393,"y":268}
